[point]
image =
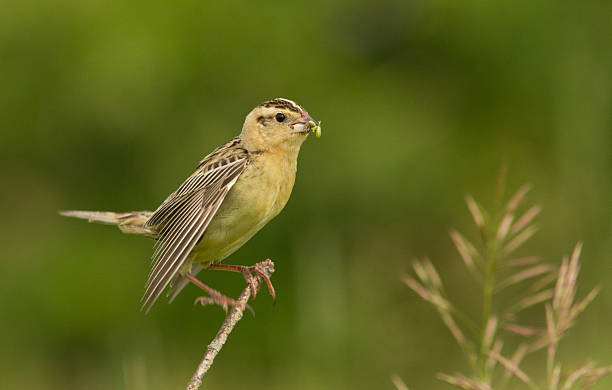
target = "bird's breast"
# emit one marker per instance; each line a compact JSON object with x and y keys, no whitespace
{"x":259,"y":194}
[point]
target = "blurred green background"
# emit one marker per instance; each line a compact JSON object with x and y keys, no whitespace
{"x":110,"y":105}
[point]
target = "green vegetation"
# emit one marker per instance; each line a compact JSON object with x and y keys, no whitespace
{"x":526,"y":282}
{"x":109,"y":106}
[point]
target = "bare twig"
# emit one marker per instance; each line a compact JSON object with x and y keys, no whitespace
{"x":232,"y":318}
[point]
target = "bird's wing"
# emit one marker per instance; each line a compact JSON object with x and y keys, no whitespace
{"x":180,"y":282}
{"x":184,"y":216}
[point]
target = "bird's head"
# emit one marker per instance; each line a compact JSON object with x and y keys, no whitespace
{"x":278,"y":124}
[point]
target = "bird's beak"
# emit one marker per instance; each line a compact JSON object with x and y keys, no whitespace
{"x":302,"y":124}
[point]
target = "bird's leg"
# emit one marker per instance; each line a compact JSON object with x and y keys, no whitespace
{"x":215,"y":297}
{"x":247,"y":272}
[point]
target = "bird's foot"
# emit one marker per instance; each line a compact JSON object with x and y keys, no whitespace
{"x":248,"y":272}
{"x":215,"y":297}
{"x":222,"y":301}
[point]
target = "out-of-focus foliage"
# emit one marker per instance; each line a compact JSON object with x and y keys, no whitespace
{"x":529,"y":283}
{"x":109,"y":106}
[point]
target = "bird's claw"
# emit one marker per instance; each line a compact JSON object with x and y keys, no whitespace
{"x":259,"y":269}
{"x":222,"y":301}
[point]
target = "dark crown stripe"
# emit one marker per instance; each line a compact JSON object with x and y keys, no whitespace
{"x":281,"y":103}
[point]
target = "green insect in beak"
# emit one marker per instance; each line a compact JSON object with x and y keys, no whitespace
{"x":315,"y":128}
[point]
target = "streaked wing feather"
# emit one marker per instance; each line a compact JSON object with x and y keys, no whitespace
{"x":181,"y":232}
{"x":175,"y":232}
{"x":180,"y":282}
{"x":208,"y":171}
{"x":184,"y":216}
{"x":173,"y":261}
{"x":185,"y":207}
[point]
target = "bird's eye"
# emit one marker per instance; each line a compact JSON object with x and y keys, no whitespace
{"x":280,"y":117}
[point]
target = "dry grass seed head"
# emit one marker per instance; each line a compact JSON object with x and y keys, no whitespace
{"x":513,"y":368}
{"x":518,"y":197}
{"x":475,"y":211}
{"x":525,"y":331}
{"x":461,"y":381}
{"x":519,"y":240}
{"x":516,"y":359}
{"x":504,"y":227}
{"x":467,"y":251}
{"x":489,"y":333}
{"x":522,"y":261}
{"x":525,"y":274}
{"x":577,"y":375}
{"x":398,"y":382}
{"x":526,"y":219}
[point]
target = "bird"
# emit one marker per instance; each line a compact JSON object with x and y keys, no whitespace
{"x":235,"y":190}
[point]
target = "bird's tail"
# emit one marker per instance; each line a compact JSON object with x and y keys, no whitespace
{"x":130,"y":222}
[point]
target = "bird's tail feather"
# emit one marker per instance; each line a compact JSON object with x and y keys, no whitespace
{"x":130,"y":222}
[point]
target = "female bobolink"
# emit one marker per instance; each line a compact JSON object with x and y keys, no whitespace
{"x":233,"y":193}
